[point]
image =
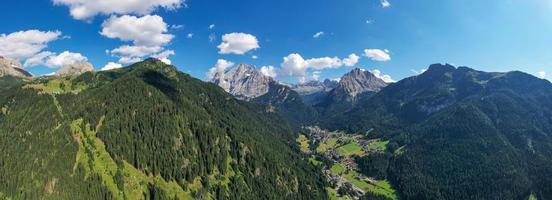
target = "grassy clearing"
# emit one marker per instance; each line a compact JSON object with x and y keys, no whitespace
{"x":57,"y":86}
{"x":93,"y":157}
{"x":350,"y":149}
{"x":378,"y":145}
{"x":314,"y":162}
{"x":303,"y":143}
{"x":380,"y":187}
{"x":532,"y":197}
{"x":329,"y":144}
{"x":332,"y":193}
{"x":337,"y":169}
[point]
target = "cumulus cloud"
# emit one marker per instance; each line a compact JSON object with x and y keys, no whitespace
{"x":269,"y":71}
{"x":385,"y":77}
{"x":190,"y":35}
{"x":65,"y":58}
{"x":25,"y":44}
{"x":377,"y":54}
{"x":135,"y":51}
{"x":295,"y":65}
{"x":86,"y":9}
{"x":254,"y":57}
{"x":148,"y":35}
{"x":111,"y":65}
{"x":38,"y":59}
{"x":212,"y":26}
{"x":542,"y":74}
{"x":219,"y":67}
{"x":238,"y":43}
{"x":385,"y":3}
{"x":317,"y":35}
{"x":149,"y":30}
{"x":53,"y":60}
{"x":352,"y":60}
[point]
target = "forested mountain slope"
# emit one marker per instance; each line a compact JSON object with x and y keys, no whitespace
{"x":146,"y":131}
{"x":458,"y":133}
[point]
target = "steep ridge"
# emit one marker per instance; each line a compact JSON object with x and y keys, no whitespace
{"x":146,"y":131}
{"x":313,"y":92}
{"x":9,"y":67}
{"x":458,"y":133}
{"x":352,"y":87}
{"x":243,"y":81}
{"x":247,"y":83}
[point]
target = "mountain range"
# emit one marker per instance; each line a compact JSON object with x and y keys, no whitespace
{"x":149,"y":131}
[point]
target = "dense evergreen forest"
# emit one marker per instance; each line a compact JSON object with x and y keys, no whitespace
{"x":149,"y":131}
{"x":144,"y":132}
{"x":458,"y":133}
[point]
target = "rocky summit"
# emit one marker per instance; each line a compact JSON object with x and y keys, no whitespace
{"x":243,"y":81}
{"x":10,"y":67}
{"x":75,"y":69}
{"x":359,"y":81}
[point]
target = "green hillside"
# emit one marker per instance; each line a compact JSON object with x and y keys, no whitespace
{"x":458,"y":133}
{"x":144,"y":132}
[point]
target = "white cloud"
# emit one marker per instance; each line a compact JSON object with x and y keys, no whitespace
{"x":25,"y":44}
{"x":52,"y":60}
{"x":128,"y":60}
{"x":317,"y":35}
{"x":385,"y":77}
{"x":65,"y":58}
{"x":254,"y":57}
{"x":148,"y":35}
{"x":111,"y":65}
{"x":190,"y":35}
{"x":149,"y":30}
{"x":238,"y":43}
{"x":542,"y":74}
{"x":212,"y":26}
{"x":377,"y":54}
{"x":86,"y":9}
{"x":269,"y":71}
{"x":295,"y":65}
{"x":385,"y":3}
{"x":219,"y":68}
{"x":135,"y":51}
{"x":370,"y":21}
{"x":352,"y":60}
{"x":38,"y":59}
{"x":177,"y":26}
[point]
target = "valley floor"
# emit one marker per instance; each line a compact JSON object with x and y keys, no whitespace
{"x":334,"y":153}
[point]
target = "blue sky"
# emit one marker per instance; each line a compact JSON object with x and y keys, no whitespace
{"x":491,"y":35}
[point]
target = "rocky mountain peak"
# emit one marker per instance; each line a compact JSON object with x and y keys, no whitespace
{"x":75,"y":69}
{"x":243,"y":81}
{"x":11,"y":67}
{"x":359,"y":81}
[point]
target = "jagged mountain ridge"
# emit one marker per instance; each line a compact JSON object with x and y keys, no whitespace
{"x":10,"y":67}
{"x":359,"y":81}
{"x":243,"y":81}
